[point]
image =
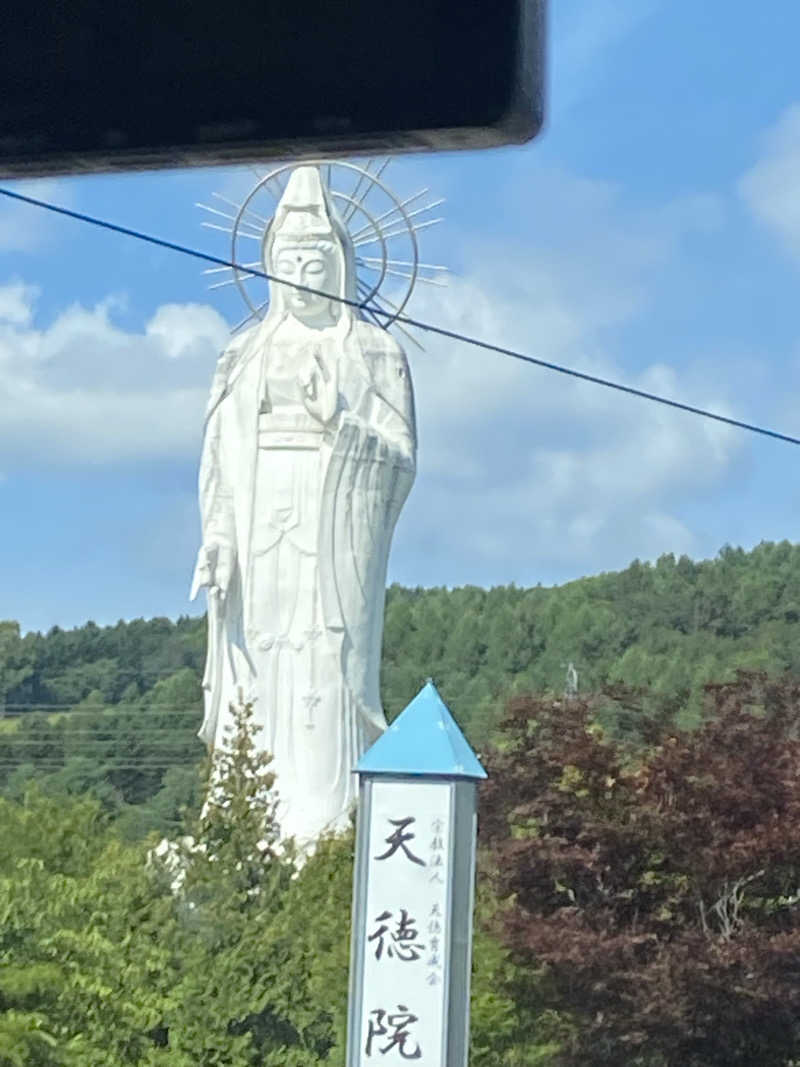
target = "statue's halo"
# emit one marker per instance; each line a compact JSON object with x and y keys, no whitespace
{"x":373,"y":215}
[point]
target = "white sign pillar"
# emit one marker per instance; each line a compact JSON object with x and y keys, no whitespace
{"x":413,"y":892}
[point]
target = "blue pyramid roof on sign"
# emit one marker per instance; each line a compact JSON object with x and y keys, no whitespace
{"x":425,"y":740}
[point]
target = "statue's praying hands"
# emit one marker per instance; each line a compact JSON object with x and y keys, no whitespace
{"x":320,"y":382}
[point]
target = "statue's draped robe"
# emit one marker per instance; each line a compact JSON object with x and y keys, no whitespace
{"x":308,"y":511}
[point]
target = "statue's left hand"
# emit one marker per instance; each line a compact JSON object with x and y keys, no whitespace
{"x":320,"y":382}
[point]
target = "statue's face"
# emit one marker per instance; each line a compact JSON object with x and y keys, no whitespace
{"x":311,"y":267}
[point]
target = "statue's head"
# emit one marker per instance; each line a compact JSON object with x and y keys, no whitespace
{"x":307,"y":244}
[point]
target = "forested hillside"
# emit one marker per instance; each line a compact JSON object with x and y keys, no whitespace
{"x":116,"y":709}
{"x":637,"y":902}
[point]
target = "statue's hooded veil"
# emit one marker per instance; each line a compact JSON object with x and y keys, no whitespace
{"x":306,"y":215}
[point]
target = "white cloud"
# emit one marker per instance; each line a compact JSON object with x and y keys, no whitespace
{"x":771,"y":188}
{"x":83,"y":390}
{"x":185,"y":329}
{"x":24,"y":227}
{"x":533,"y":472}
{"x":16,"y":303}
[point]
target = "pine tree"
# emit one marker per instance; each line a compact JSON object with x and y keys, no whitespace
{"x":237,"y":873}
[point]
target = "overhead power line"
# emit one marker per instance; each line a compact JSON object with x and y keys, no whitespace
{"x":177,"y":739}
{"x":79,"y":706}
{"x":145,"y":765}
{"x":405,"y":320}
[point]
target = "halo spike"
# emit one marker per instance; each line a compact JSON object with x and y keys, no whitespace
{"x":409,"y":215}
{"x":363,"y":290}
{"x":229,"y":229}
{"x":419,"y":277}
{"x":399,"y":233}
{"x":396,"y":211}
{"x":259,"y":218}
{"x":406,"y":333}
{"x":271,"y":176}
{"x":214,"y":210}
{"x":225,"y":215}
{"x":410,"y":336}
{"x":404,"y":263}
{"x":370,"y":185}
{"x":416,"y":227}
{"x":369,"y":311}
{"x":422,"y":210}
{"x":256,"y":312}
{"x":359,"y":183}
{"x":219,"y":270}
{"x":377,"y":301}
{"x":232,"y":281}
{"x":350,"y":209}
{"x":382,"y":315}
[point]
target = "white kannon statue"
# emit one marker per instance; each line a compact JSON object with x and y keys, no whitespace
{"x":308,"y":457}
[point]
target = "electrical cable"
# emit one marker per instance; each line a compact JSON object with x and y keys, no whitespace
{"x":77,"y":706}
{"x":405,"y":320}
{"x":105,"y":767}
{"x":91,"y":744}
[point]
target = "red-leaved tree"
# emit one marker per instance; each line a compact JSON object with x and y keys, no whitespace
{"x":659,"y":890}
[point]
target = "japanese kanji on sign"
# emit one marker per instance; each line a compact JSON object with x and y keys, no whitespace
{"x":413,"y":893}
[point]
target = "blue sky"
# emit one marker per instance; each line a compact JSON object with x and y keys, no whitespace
{"x":652,"y":233}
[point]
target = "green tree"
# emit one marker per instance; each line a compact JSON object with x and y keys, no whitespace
{"x":234,"y":889}
{"x":85,"y":962}
{"x":16,"y":661}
